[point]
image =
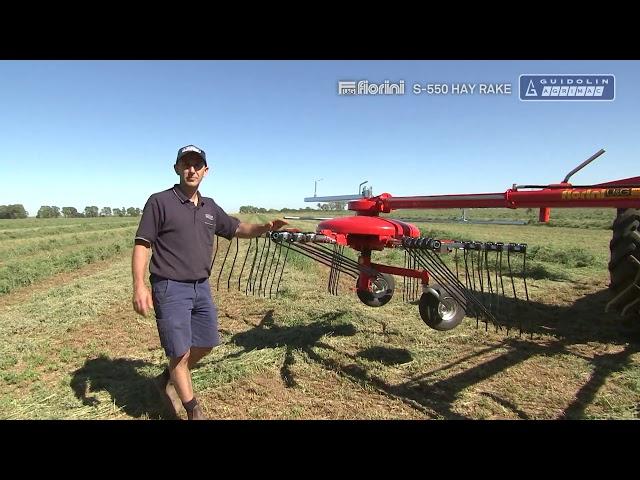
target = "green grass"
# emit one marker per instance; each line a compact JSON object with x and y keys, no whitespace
{"x":25,"y":247}
{"x":32,"y":250}
{"x":29,"y":228}
{"x":76,"y":350}
{"x":20,"y":272}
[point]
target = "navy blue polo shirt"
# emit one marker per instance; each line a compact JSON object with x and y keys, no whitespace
{"x":181,"y":234}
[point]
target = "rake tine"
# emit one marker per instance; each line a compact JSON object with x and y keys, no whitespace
{"x":485,"y":268}
{"x":244,"y":263}
{"x":497,"y":294}
{"x":404,"y":279}
{"x":324,"y":256}
{"x":250,"y":277}
{"x":284,"y":261}
{"x":339,"y":255}
{"x":408,"y":283}
{"x":455,"y":287}
{"x":473,"y":272}
{"x":327,"y":252}
{"x":444,"y":278}
{"x":491,"y":297}
{"x":332,"y":270}
{"x":314,"y":253}
{"x":441,"y":270}
{"x":515,"y":295}
{"x":526,"y":290}
{"x":416,"y":284}
{"x":455,"y":259}
{"x":215,"y":249}
{"x":222,"y":266}
{"x":481,"y":283}
{"x":426,"y":261}
{"x":480,"y":276}
{"x":342,"y":256}
{"x":336,"y":278}
{"x":233,"y":264}
{"x":440,"y":274}
{"x":264,"y":265}
{"x":485,"y":296}
{"x":524,"y":274}
{"x":275,"y":270}
{"x":270,"y":265}
{"x":507,"y":318}
{"x":467,"y":281}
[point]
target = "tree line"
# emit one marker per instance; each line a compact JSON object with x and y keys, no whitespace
{"x":52,"y":211}
{"x":329,"y":206}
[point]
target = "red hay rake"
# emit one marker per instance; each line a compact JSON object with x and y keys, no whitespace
{"x":448,"y":279}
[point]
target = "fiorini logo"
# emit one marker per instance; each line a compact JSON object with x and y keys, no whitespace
{"x":363,"y":87}
{"x":560,"y":87}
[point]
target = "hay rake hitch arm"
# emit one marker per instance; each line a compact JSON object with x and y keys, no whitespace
{"x":623,"y":193}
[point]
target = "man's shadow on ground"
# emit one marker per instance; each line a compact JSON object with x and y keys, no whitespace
{"x":132,"y":392}
{"x":579,"y":323}
{"x":138,"y":397}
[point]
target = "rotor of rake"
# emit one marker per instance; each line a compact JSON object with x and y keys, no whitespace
{"x":449,"y":279}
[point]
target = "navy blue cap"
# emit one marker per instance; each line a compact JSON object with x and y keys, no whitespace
{"x":191,"y":148}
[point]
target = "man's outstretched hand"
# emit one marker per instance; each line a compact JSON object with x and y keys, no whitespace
{"x":276,"y":225}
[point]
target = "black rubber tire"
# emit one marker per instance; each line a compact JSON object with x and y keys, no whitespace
{"x":430,"y":310}
{"x":625,"y":256}
{"x":384,"y":287}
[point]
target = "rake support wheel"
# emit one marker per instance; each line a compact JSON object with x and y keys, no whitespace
{"x":440,"y":310}
{"x":380,"y":291}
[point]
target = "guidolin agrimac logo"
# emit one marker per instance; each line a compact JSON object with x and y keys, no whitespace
{"x":560,"y":87}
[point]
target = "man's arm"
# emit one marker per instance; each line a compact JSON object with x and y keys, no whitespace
{"x":142,"y":301}
{"x":252,"y":230}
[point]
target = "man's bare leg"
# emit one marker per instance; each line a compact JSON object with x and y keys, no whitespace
{"x":181,"y":376}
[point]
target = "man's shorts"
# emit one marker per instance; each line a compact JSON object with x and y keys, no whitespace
{"x":185,"y":314}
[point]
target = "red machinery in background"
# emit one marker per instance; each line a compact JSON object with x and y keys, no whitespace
{"x":474,"y":280}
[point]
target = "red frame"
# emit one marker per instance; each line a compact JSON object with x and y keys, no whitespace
{"x":366,"y":231}
{"x":561,"y":195}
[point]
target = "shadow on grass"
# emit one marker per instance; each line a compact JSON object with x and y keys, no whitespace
{"x":135,"y":394}
{"x":562,"y":327}
{"x":386,"y":355}
{"x":301,"y":337}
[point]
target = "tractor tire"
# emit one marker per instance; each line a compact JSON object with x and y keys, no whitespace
{"x":381,"y":291}
{"x":624,"y":264}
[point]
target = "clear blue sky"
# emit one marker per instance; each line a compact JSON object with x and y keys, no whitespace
{"x":105,"y":133}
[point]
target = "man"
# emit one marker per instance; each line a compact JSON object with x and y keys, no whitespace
{"x":178,"y":224}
